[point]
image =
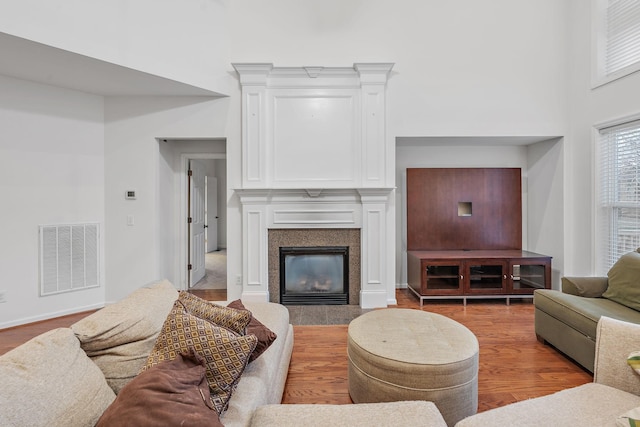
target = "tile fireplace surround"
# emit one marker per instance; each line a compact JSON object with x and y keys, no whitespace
{"x":317,"y":167}
{"x":314,"y":238}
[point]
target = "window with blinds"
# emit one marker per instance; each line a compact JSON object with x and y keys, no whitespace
{"x":618,"y":38}
{"x":619,"y":199}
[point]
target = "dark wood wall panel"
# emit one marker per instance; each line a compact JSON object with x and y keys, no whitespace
{"x":433,"y":195}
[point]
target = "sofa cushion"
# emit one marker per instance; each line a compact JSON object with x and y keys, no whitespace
{"x":226,"y":353}
{"x":590,"y":287}
{"x":624,"y":281}
{"x":136,"y":317}
{"x":580,"y":313}
{"x":119,"y":337}
{"x":402,"y":413}
{"x":173,"y":393}
{"x":121,"y":364}
{"x":227,"y":317}
{"x":265,"y":336}
{"x":38,"y":377}
{"x":589,"y":405}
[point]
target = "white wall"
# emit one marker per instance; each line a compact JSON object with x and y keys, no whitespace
{"x":588,"y":107}
{"x":51,"y":172}
{"x":221,"y":170}
{"x":134,"y":159}
{"x":545,"y":190}
{"x":180,"y":40}
{"x":464,"y":67}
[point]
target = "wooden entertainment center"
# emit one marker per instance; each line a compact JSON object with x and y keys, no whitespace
{"x":464,"y":235}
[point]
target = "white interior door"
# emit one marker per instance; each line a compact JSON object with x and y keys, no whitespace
{"x":197,"y":208}
{"x":212,"y":213}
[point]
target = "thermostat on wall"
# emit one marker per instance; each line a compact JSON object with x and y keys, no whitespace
{"x":130,"y":195}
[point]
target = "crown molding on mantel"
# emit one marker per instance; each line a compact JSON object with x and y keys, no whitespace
{"x":270,"y":76}
{"x":249,"y":195}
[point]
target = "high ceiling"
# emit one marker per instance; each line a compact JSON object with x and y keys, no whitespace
{"x":28,"y":60}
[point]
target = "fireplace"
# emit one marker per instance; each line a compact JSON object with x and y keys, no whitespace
{"x":299,"y":241}
{"x":345,"y":186}
{"x":314,"y":275}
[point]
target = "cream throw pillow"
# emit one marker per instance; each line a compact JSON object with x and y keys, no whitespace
{"x":119,"y":337}
{"x":49,"y":381}
{"x":136,"y":317}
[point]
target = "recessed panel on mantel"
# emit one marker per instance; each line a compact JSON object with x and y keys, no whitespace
{"x":315,"y":140}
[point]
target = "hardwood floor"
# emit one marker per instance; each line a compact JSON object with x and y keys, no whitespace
{"x":513,"y":365}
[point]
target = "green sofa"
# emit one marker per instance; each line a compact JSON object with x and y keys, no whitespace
{"x":568,"y":319}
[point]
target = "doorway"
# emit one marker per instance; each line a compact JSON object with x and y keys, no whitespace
{"x":175,"y":196}
{"x":206,"y":249}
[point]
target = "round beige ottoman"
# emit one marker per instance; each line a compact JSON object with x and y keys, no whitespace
{"x":403,"y":354}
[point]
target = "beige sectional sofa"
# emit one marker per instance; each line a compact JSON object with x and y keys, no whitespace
{"x":72,"y":376}
{"x":615,"y":389}
{"x":568,"y":319}
{"x":69,"y":376}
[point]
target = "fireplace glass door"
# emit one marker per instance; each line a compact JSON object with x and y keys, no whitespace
{"x":314,"y":275}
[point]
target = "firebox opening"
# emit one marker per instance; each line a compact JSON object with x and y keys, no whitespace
{"x":314,"y":275}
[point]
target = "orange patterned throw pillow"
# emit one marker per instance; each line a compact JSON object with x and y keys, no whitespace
{"x":227,"y":317}
{"x":226,"y":353}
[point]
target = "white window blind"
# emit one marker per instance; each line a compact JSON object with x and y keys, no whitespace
{"x":622,"y":35}
{"x":619,"y":200}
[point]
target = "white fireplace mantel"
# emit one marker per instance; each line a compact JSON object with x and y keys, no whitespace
{"x":365,"y":209}
{"x":315,"y":154}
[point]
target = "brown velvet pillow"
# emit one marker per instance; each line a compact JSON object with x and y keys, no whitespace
{"x":265,"y":335}
{"x":173,"y":393}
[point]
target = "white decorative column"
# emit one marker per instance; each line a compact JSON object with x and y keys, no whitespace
{"x":373,"y":82}
{"x":253,"y":78}
{"x":255,"y":276}
{"x":374,"y":262}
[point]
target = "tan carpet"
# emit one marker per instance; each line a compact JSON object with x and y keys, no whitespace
{"x":215,"y":277}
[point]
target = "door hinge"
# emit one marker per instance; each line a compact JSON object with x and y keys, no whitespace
{"x":189,"y":220}
{"x":189,"y":172}
{"x":189,"y":267}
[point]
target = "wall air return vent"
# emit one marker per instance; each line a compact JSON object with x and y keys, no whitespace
{"x":69,"y":257}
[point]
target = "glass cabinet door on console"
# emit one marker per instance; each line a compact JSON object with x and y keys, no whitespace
{"x":441,"y":278}
{"x":526,"y":275}
{"x":485,"y":277}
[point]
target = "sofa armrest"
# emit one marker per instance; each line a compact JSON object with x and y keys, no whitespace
{"x":615,"y":340}
{"x":589,"y":287}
